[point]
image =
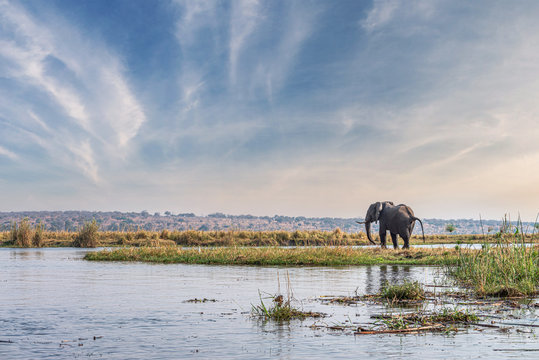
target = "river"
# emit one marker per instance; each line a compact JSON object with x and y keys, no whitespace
{"x":54,"y":305}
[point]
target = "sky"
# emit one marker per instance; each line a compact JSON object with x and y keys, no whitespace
{"x":298,"y":108}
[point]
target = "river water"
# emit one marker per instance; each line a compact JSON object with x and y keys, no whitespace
{"x":54,"y":305}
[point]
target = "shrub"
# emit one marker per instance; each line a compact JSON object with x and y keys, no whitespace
{"x":165,"y":234}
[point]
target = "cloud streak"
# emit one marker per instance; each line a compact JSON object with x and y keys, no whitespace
{"x":83,"y":78}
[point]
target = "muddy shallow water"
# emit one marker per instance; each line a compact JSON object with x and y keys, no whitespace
{"x":56,"y":305}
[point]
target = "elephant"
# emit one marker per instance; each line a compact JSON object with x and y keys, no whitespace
{"x":399,"y":220}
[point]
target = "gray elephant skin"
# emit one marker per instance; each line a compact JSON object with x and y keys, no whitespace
{"x":399,"y":220}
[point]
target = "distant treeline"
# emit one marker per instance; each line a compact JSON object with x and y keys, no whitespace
{"x":132,"y":221}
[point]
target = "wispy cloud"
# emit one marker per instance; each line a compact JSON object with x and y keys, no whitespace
{"x":81,"y":76}
{"x":8,"y":153}
{"x":245,"y":16}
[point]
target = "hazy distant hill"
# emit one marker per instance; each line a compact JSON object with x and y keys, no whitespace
{"x":115,"y":220}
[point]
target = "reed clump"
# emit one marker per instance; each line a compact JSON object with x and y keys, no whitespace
{"x":504,"y":269}
{"x":280,"y":310}
{"x":88,"y":235}
{"x":37,"y":239}
{"x":23,"y":235}
{"x":507,"y":268}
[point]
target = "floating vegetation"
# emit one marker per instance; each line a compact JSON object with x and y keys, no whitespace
{"x":195,"y":300}
{"x":444,"y":319}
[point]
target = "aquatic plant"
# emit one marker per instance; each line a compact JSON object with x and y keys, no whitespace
{"x":281,"y":308}
{"x":408,"y":290}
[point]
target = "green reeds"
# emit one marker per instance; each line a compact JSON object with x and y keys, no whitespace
{"x":499,"y":270}
{"x":508,"y":268}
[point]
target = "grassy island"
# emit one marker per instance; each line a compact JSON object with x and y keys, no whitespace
{"x":306,"y":256}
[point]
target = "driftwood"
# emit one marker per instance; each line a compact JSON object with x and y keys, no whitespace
{"x":518,"y":324}
{"x":401,"y":331}
{"x":483,"y":325}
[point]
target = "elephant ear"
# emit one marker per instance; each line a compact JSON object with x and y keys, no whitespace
{"x":373,"y":214}
{"x":379,"y":207}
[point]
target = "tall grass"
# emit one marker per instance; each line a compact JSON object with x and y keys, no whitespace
{"x":499,"y":270}
{"x":506,"y":268}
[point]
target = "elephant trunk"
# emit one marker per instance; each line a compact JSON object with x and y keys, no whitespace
{"x":368,"y":231}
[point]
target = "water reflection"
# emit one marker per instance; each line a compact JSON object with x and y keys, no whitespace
{"x":393,"y":274}
{"x":26,"y":253}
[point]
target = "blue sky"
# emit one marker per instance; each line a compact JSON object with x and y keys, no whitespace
{"x":313,"y":108}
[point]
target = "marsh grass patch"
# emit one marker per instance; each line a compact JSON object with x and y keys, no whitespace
{"x":407,"y":290}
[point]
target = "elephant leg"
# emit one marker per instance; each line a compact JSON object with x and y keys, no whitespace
{"x":382,"y":238}
{"x":394,"y":239}
{"x":406,"y":238}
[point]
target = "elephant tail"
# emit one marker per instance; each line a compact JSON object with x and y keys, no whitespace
{"x":422,"y":230}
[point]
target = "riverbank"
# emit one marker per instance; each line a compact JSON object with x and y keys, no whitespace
{"x":197,"y":238}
